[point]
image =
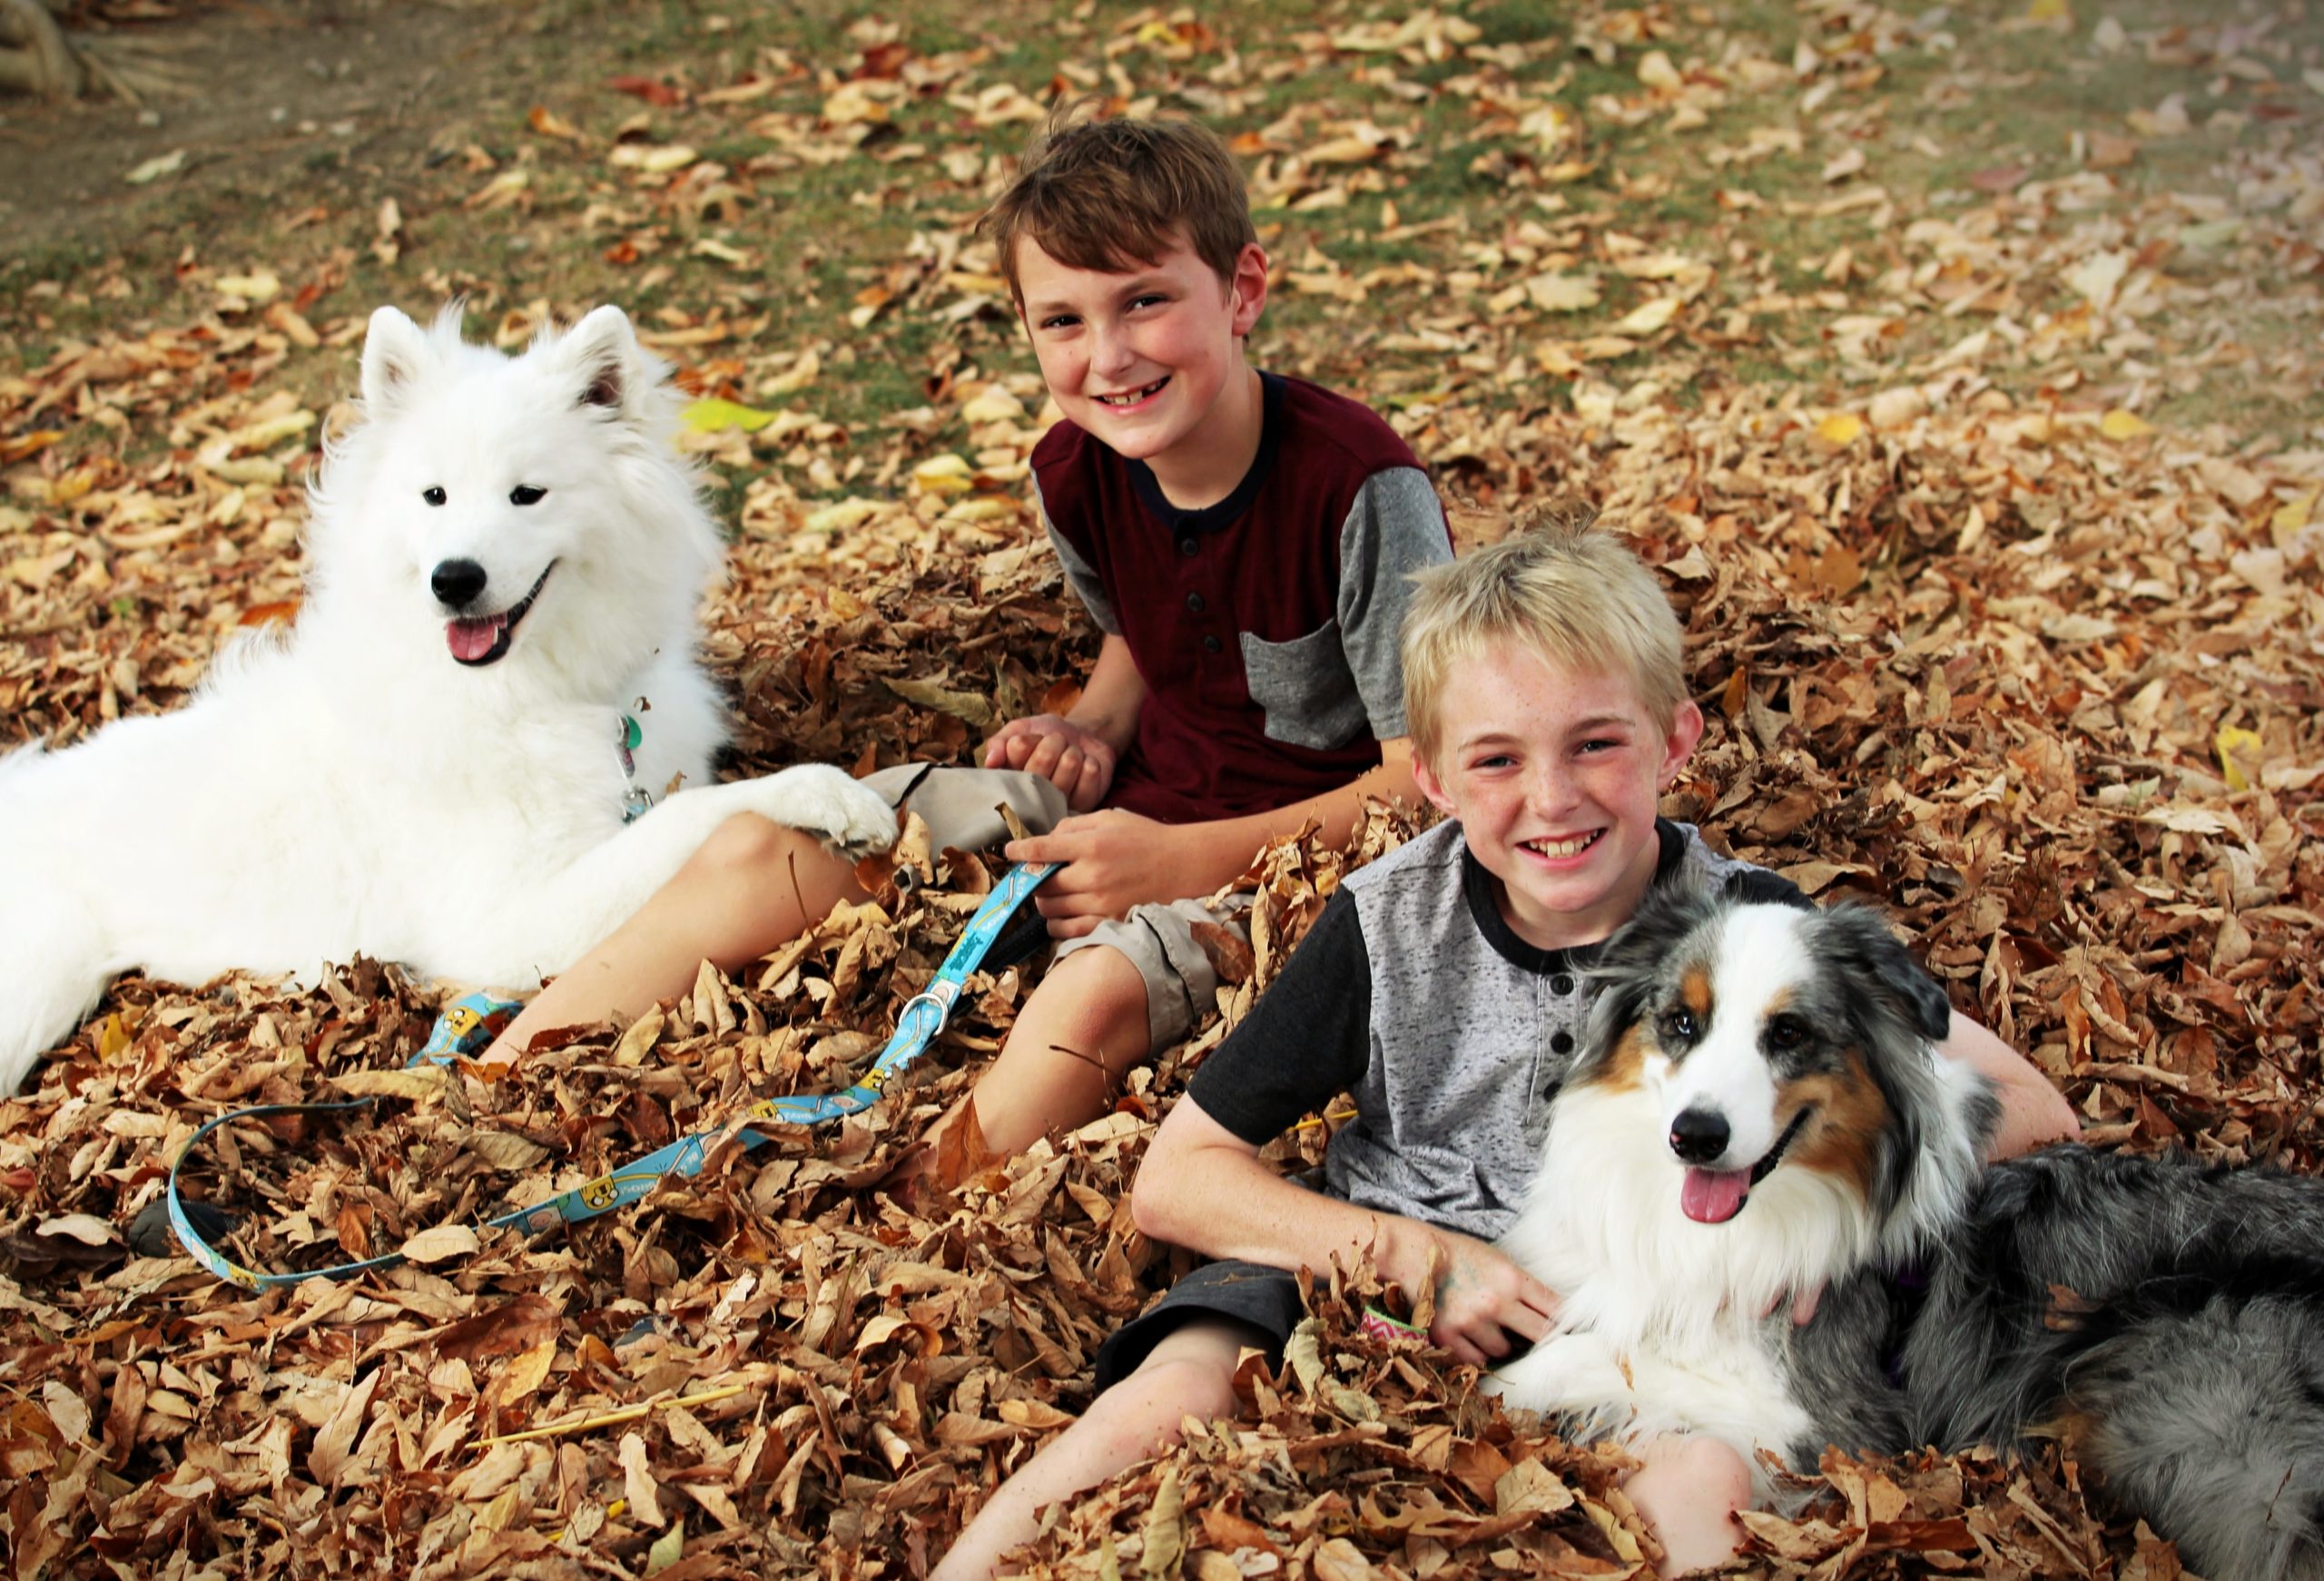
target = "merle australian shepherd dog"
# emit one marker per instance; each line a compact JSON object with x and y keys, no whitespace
{"x":1758,"y":1109}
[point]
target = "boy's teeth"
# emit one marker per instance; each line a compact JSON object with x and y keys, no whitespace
{"x":1562,"y":848}
{"x":1131,"y":398}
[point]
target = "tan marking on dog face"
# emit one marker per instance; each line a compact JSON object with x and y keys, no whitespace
{"x":1694,"y":992}
{"x":1624,"y":1068}
{"x":1850,"y":1116}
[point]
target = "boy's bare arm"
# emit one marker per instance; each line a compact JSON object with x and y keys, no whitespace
{"x":1116,"y":861}
{"x":1204,"y":1187}
{"x":2033,"y":1111}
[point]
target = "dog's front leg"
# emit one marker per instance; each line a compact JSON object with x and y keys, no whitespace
{"x":609,"y":882}
{"x":1576,"y":1377}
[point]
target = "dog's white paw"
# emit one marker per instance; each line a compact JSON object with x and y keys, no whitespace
{"x":829,"y":801}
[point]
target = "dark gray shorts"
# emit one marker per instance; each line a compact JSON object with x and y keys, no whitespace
{"x":1250,"y":1293}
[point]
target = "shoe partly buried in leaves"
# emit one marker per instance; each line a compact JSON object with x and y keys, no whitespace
{"x":466,"y":1027}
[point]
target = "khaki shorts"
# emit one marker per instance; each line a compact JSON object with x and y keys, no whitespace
{"x":1158,"y":937}
{"x":958,"y":806}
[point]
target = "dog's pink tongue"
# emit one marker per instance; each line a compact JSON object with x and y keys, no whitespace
{"x":1713,"y":1196}
{"x":473,"y":639}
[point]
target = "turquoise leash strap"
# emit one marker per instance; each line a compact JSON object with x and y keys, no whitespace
{"x":924,"y":1017}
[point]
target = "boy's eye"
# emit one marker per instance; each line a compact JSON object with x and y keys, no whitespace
{"x":1151,"y":298}
{"x":1059,"y":321}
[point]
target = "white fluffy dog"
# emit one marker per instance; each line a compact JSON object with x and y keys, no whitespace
{"x":446,"y":761}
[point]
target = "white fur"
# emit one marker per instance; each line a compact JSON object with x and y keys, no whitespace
{"x":1663,"y":1327}
{"x":350,"y":788}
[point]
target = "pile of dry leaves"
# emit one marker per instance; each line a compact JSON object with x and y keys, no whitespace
{"x":1975,"y":639}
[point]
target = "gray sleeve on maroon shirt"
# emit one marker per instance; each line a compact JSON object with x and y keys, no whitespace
{"x":1079,"y":573}
{"x":1395,"y":528}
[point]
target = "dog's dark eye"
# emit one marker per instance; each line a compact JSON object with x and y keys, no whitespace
{"x":1787,"y":1032}
{"x":1678,"y":1026}
{"x":525,"y":494}
{"x":432,"y":495}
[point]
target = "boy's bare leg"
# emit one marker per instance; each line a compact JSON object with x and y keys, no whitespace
{"x":750,"y":888}
{"x":1687,"y":1489}
{"x":1076,"y":1037}
{"x":1191,"y":1373}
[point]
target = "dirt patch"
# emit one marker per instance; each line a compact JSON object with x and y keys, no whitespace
{"x":287,"y":106}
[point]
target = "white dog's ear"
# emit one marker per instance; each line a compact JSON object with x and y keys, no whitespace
{"x":394,"y":349}
{"x":602,"y":350}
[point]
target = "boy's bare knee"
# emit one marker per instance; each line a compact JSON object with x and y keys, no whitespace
{"x":1714,"y":1469}
{"x":1178,"y":1386}
{"x":743,"y":842}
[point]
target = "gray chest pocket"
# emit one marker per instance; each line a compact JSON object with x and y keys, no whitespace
{"x":1306,"y":689}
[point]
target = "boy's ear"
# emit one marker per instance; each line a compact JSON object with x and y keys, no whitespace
{"x":1678,"y":745}
{"x":1425,"y":776}
{"x":1247,"y":290}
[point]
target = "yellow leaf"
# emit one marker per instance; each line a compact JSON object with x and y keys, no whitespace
{"x":2119,"y":424}
{"x":112,"y":1037}
{"x":2289,"y":520}
{"x":152,"y":169}
{"x":945,"y":474}
{"x":709,"y":417}
{"x":991,"y":405}
{"x":1562,"y":293}
{"x":1648,"y":317}
{"x":525,"y":1373}
{"x":1840,"y":428}
{"x":1655,"y":71}
{"x":2239,"y":755}
{"x":442,"y":1242}
{"x":839,"y":516}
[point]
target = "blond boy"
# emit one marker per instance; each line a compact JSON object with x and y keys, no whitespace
{"x":1444,"y":989}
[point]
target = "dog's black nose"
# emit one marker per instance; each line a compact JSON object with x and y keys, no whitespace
{"x":1699,"y":1136}
{"x":457,"y":582}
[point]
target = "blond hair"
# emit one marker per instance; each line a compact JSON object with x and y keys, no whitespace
{"x":1580,"y":599}
{"x":1112,"y":195}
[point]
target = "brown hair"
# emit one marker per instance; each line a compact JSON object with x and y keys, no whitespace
{"x":1578,"y":597}
{"x":1112,"y":195}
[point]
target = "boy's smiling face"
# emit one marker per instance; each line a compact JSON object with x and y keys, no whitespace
{"x":1149,"y":361}
{"x":1554,"y":774}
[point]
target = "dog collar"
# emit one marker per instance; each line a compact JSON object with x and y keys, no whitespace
{"x":634,"y":799}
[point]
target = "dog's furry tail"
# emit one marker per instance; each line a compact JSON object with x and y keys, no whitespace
{"x":2203,"y":1409}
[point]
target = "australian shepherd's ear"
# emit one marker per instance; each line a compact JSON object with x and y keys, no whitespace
{"x":1856,"y":937}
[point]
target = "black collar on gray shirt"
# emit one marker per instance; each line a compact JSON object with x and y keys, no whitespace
{"x":1477,"y":884}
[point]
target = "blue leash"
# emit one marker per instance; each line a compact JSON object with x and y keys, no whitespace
{"x":468,"y":1021}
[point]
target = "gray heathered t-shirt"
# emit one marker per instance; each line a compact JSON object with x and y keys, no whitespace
{"x":1412,"y":995}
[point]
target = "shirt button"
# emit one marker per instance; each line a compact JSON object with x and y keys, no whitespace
{"x":1195,"y":601}
{"x":1561,"y":984}
{"x":1211,"y":645}
{"x":1188,"y":546}
{"x":1561,"y":1043}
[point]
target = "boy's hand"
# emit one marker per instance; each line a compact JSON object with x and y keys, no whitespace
{"x":1113,"y":861}
{"x":1481,"y":1297}
{"x":1075,"y":760}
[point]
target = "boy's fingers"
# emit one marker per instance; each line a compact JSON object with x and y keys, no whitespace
{"x":1804,"y":1308}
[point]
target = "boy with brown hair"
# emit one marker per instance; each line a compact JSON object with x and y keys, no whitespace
{"x":1243,"y":540}
{"x":1444,"y":988}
